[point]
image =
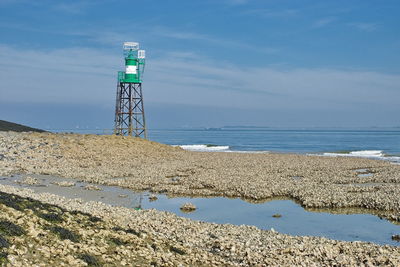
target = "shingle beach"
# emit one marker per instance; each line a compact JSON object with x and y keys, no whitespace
{"x":51,"y":230}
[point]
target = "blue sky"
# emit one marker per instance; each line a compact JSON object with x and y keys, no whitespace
{"x":209,"y":63}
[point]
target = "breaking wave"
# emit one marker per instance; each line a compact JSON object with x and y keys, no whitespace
{"x":215,"y":148}
{"x":371,"y":154}
{"x":205,"y":148}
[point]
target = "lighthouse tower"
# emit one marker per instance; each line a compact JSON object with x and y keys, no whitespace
{"x":129,"y":108}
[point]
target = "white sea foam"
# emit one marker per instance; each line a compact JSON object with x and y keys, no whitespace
{"x":212,"y":148}
{"x":371,"y":154}
{"x":205,"y":148}
{"x":361,"y":154}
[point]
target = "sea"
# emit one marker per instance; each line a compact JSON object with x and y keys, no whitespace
{"x":374,"y":143}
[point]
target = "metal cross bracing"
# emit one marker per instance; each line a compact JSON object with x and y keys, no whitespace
{"x":129,"y":110}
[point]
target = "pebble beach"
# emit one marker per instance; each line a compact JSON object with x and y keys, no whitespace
{"x":151,"y":237}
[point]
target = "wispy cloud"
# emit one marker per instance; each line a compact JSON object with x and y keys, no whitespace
{"x":323,"y":22}
{"x":364,"y":26}
{"x":72,"y":7}
{"x":272,"y":13}
{"x":188,"y":78}
{"x":192,"y":36}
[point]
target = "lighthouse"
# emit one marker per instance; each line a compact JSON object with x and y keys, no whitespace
{"x":129,"y":107}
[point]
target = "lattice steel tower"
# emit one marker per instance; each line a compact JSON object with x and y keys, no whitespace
{"x":129,"y":108}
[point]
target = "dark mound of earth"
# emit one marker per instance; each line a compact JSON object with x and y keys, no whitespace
{"x":10,"y":126}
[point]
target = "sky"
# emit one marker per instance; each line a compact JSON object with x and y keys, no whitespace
{"x":209,"y":63}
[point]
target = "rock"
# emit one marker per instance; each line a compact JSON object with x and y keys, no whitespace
{"x":396,"y":238}
{"x":28,"y":180}
{"x":188,"y":207}
{"x":277,"y":215}
{"x":64,"y":183}
{"x":153,"y":197}
{"x":92,"y":187}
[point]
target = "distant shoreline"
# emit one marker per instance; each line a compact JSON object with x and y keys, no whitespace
{"x":15,"y":127}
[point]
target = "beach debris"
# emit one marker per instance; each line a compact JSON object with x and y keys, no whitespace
{"x":92,"y":187}
{"x":64,"y":183}
{"x":277,"y":215}
{"x":188,"y":207}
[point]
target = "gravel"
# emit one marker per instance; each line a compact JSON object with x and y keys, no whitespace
{"x":143,"y":165}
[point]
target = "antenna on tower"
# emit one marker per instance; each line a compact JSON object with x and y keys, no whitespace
{"x":129,"y":108}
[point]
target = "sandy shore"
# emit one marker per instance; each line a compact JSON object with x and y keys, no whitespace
{"x":316,"y":182}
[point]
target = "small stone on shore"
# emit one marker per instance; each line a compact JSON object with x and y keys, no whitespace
{"x":188,"y":207}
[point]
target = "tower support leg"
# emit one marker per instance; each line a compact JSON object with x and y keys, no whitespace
{"x":129,"y":110}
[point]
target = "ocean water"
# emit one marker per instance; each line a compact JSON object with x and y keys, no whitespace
{"x":375,"y":143}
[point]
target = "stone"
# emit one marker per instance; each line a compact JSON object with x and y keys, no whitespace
{"x":188,"y":207}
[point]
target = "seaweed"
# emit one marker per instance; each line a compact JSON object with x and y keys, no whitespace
{"x":50,"y":217}
{"x":11,"y":229}
{"x":177,"y":250}
{"x":22,"y":203}
{"x":94,"y":219}
{"x":128,"y":231}
{"x":53,"y":213}
{"x":8,"y":200}
{"x":90,"y":216}
{"x":3,"y":242}
{"x":118,"y":242}
{"x":64,"y":233}
{"x":90,"y":260}
{"x":3,"y":258}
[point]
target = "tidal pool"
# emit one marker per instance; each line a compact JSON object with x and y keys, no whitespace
{"x":294,"y":220}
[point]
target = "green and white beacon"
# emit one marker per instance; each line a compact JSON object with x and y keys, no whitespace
{"x":134,"y":63}
{"x":129,"y":109}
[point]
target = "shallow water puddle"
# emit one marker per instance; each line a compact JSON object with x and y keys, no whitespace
{"x":362,"y":170}
{"x":294,"y":219}
{"x":363,"y":173}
